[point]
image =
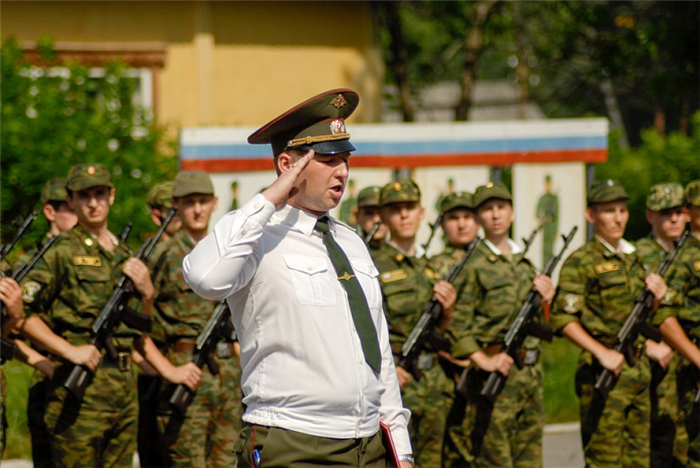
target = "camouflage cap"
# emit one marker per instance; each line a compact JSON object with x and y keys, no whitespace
{"x":692,"y":193}
{"x":484,"y":193}
{"x":664,"y":196}
{"x":84,"y":176}
{"x":606,"y":191}
{"x":54,"y":191}
{"x":161,"y":195}
{"x":368,"y":196}
{"x":189,"y":182}
{"x":404,"y":190}
{"x":317,"y":123}
{"x":457,"y":200}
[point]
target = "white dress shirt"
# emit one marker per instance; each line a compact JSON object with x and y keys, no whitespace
{"x":302,"y":360}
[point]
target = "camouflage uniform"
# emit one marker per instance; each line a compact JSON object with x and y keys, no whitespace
{"x":67,"y":289}
{"x":597,"y":288}
{"x":210,"y":426}
{"x":407,"y":286}
{"x":508,"y":432}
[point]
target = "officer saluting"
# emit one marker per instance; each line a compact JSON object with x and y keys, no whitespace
{"x":318,"y":374}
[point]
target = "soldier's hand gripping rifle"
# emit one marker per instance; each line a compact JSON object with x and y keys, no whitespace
{"x":8,"y":350}
{"x":424,"y":335}
{"x":114,"y":311}
{"x":372,"y":232}
{"x":524,"y":325}
{"x":636,"y":323}
{"x":218,"y":325}
{"x":433,"y":228}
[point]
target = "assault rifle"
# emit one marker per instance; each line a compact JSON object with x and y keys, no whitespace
{"x":114,"y":311}
{"x":524,"y":325}
{"x":424,"y":336}
{"x":636,"y":323}
{"x":372,"y":232}
{"x":433,"y":228}
{"x":219,"y":325}
{"x":527,"y":243}
{"x":21,"y":231}
{"x":696,"y":400}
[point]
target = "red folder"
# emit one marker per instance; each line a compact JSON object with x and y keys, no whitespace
{"x":392,"y":458}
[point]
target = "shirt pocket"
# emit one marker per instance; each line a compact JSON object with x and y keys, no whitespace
{"x":498,"y":295}
{"x":94,"y":286}
{"x":367,"y":274}
{"x":311,"y":280}
{"x":614,"y":291}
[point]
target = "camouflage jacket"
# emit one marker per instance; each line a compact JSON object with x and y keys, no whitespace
{"x":180,"y":313}
{"x":442,"y":265}
{"x":494,"y":290}
{"x":683,"y":279}
{"x":71,"y":283}
{"x":407,"y":285}
{"x":597,"y":288}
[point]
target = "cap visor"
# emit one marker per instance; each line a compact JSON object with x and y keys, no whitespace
{"x":331,"y":147}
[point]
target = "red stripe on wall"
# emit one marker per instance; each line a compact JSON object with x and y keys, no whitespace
{"x":423,"y":160}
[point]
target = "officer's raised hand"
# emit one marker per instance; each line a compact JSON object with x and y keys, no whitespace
{"x":283,"y":187}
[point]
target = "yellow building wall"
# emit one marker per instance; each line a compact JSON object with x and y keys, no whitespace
{"x":226,"y":62}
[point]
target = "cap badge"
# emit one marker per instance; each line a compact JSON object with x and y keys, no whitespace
{"x":91,"y":170}
{"x":397,"y":186}
{"x":610,"y":182}
{"x":337,"y":126}
{"x":489,"y":185}
{"x":338,"y":101}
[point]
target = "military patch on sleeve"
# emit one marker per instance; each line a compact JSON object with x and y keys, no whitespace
{"x":393,"y":275}
{"x":696,"y":266}
{"x":30,"y":290}
{"x":606,"y":267}
{"x":669,"y":297}
{"x":572,"y":303}
{"x":431,"y":274}
{"x":87,"y":260}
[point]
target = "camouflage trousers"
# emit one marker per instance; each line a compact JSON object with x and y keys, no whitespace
{"x":36,"y":411}
{"x":100,"y":430}
{"x":429,"y":400}
{"x":507,"y":433}
{"x":204,"y":436}
{"x":3,"y":418}
{"x":669,"y":438}
{"x":688,"y":381}
{"x":615,"y":431}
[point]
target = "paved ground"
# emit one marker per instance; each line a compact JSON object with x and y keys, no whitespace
{"x":562,"y":449}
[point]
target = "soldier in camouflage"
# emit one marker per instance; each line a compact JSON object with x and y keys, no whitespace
{"x":12,"y":313}
{"x":668,"y":437}
{"x":460,"y":226}
{"x":681,"y":325}
{"x":598,"y":284}
{"x":63,"y":295}
{"x":507,"y":432}
{"x":60,"y":218}
{"x":407,"y":285}
{"x":367,"y":214}
{"x":205,"y":434}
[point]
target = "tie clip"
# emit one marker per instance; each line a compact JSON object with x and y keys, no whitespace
{"x":346,"y":276}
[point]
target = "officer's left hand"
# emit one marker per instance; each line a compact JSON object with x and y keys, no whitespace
{"x":659,"y":352}
{"x":656,"y":285}
{"x":11,"y":295}
{"x":141,"y":276}
{"x":447,"y":297}
{"x":543,"y":284}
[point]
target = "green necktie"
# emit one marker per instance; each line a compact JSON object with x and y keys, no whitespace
{"x":358,"y":303}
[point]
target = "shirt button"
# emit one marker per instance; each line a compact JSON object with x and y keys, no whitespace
{"x":257,"y":205}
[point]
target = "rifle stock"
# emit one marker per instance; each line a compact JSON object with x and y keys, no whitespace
{"x":424,"y":336}
{"x":636,"y":323}
{"x":218,"y":324}
{"x":524,"y":325}
{"x":433,"y":228}
{"x":114,"y":311}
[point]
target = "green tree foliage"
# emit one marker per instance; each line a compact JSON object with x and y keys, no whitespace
{"x":658,"y":159}
{"x":56,"y":116}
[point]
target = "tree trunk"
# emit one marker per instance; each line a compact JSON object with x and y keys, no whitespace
{"x":399,"y":58}
{"x":473,"y":45}
{"x":606,"y":87}
{"x":659,"y":119}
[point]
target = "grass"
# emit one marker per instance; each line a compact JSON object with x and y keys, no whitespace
{"x":17,"y":377}
{"x":559,"y":361}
